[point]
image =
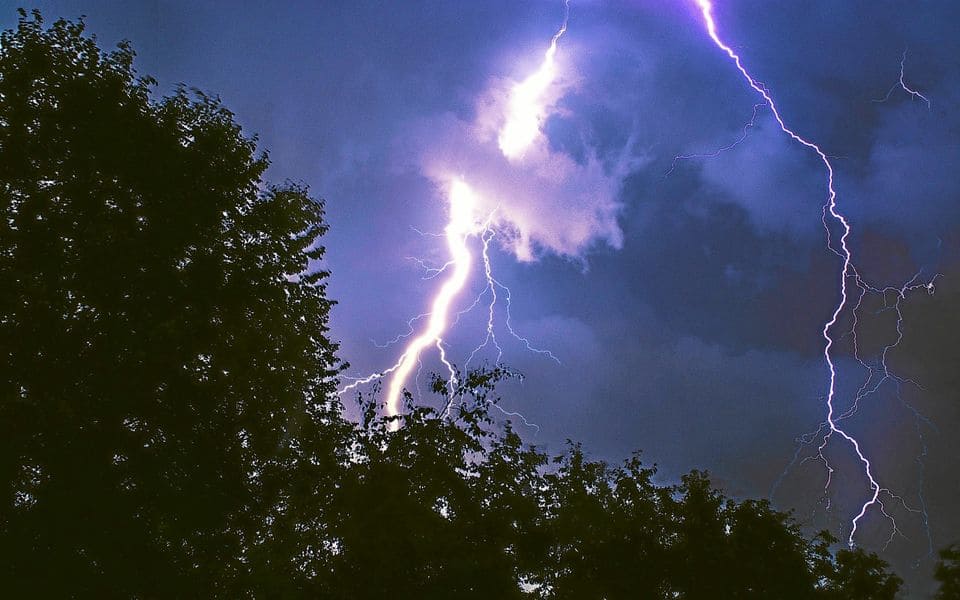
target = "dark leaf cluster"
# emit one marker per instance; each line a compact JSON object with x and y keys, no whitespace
{"x":456,"y":505}
{"x":165,"y":371}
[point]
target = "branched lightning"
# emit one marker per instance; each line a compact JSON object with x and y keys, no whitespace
{"x":511,"y":413}
{"x":849,"y":277}
{"x":525,"y":114}
{"x":527,"y":107}
{"x":492,"y":285}
{"x":401,"y":336}
{"x":462,"y":225}
{"x":431,"y":272}
{"x":903,"y":85}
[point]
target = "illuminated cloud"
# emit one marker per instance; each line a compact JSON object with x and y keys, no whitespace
{"x":545,"y":200}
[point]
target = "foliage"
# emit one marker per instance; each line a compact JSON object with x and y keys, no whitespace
{"x":166,"y":376}
{"x":948,"y":573}
{"x":462,"y":508}
{"x":168,"y":419}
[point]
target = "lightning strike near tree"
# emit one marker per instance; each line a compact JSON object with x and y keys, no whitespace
{"x":522,"y":123}
{"x":463,"y":224}
{"x":848,"y":275}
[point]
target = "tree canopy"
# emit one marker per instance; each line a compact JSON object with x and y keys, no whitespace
{"x":169,"y":423}
{"x":948,"y":573}
{"x":166,"y":369}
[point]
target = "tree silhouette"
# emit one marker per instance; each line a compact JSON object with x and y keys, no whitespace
{"x":438,"y":508}
{"x":166,"y":374}
{"x":860,"y":574}
{"x":169,"y":425}
{"x":948,"y":573}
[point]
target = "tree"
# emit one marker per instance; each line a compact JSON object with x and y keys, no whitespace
{"x":861,"y":574}
{"x":166,"y":422}
{"x":441,"y":508}
{"x":948,"y":573}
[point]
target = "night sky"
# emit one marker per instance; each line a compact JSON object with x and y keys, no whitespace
{"x":684,"y":300}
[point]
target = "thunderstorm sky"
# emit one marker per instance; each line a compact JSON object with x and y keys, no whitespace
{"x":685,"y":304}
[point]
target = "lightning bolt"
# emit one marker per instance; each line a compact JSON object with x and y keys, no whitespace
{"x":832,"y":424}
{"x":527,"y":111}
{"x":743,"y":135}
{"x":903,"y":85}
{"x":462,"y":225}
{"x":493,"y":284}
{"x":525,"y":114}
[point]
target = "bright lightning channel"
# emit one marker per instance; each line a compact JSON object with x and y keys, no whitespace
{"x":526,"y":110}
{"x":525,"y":114}
{"x":833,"y":419}
{"x":463,"y":224}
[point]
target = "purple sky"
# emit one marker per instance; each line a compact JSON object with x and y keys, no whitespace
{"x":687,"y":320}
